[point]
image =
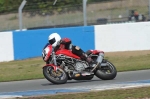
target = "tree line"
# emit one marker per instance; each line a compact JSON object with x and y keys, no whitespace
{"x":46,"y":6}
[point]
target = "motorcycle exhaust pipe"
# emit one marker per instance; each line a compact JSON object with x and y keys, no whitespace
{"x":103,"y":64}
{"x":99,"y":60}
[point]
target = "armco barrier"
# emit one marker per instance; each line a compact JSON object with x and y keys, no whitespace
{"x":123,"y":37}
{"x":28,"y":44}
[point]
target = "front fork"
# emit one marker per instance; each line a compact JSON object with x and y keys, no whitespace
{"x":54,"y":58}
{"x":53,"y":63}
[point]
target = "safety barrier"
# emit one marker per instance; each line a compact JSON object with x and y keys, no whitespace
{"x":17,"y":45}
{"x":6,"y":46}
{"x":123,"y":37}
{"x":30,"y":43}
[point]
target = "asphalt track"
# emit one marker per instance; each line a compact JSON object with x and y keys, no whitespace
{"x":43,"y":84}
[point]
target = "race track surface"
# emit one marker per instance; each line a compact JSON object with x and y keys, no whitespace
{"x":43,"y":84}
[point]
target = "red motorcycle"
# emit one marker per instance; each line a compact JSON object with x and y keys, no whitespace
{"x":63,"y":65}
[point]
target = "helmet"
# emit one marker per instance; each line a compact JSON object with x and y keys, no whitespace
{"x":54,"y":38}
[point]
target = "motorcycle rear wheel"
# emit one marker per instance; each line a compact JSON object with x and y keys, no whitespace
{"x":106,"y":73}
{"x":56,"y":77}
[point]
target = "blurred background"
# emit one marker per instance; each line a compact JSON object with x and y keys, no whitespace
{"x":43,"y":14}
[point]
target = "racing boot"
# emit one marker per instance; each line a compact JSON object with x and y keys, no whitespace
{"x":90,"y":61}
{"x":86,"y":58}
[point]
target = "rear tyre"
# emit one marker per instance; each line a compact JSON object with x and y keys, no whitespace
{"x":108,"y":72}
{"x":56,"y":77}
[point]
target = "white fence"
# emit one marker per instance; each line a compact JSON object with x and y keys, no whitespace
{"x":123,"y":37}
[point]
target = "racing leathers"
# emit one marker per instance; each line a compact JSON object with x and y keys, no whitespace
{"x":65,"y":43}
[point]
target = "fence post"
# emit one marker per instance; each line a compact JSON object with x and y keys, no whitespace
{"x":149,"y":8}
{"x":54,"y":2}
{"x":20,"y":13}
{"x":84,"y":12}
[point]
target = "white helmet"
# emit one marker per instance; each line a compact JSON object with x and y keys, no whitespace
{"x":54,"y":38}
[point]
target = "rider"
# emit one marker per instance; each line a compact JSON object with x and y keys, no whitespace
{"x":65,"y":43}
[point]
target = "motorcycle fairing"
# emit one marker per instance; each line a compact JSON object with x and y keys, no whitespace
{"x":47,"y":52}
{"x":67,"y":53}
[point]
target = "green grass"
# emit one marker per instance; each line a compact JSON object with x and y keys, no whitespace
{"x":135,"y":93}
{"x":32,"y":68}
{"x":21,"y":70}
{"x":131,"y":63}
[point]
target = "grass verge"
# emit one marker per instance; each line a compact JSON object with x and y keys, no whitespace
{"x":135,"y":93}
{"x":32,"y":68}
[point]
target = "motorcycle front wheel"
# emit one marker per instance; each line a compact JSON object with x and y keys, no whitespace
{"x":108,"y":72}
{"x":55,"y":77}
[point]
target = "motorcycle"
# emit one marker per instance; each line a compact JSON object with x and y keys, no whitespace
{"x":63,"y":65}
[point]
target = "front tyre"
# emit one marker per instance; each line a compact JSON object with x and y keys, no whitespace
{"x":108,"y":72}
{"x":56,"y":77}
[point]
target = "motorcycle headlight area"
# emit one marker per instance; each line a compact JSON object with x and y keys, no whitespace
{"x":45,"y":52}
